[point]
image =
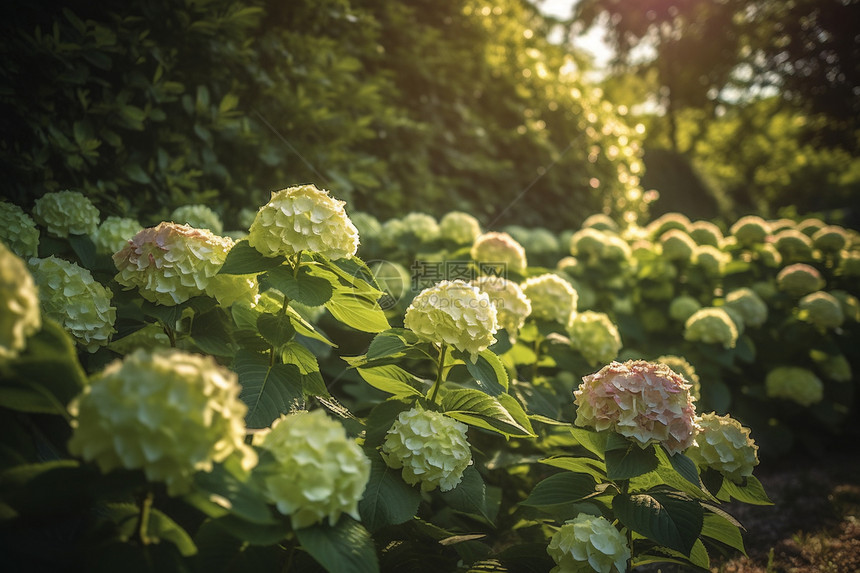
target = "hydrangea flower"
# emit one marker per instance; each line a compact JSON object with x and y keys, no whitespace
{"x":512,"y":305}
{"x":588,"y":243}
{"x":459,"y":228}
{"x":677,"y":245}
{"x":392,"y":230}
{"x":641,"y":400}
{"x":66,"y":212}
{"x":71,"y":297}
{"x":799,"y":279}
{"x":821,"y":309}
{"x":369,"y":227}
{"x":710,"y":259}
{"x":455,"y":313}
{"x":830,"y":239}
{"x":683,"y":307}
{"x":777,"y":225}
{"x":569,"y":266}
{"x":169,"y":413}
{"x":20,"y":316}
{"x":835,"y":367}
{"x":316,"y":472}
{"x":431,"y":448}
{"x":551,"y":296}
{"x":748,"y":305}
{"x":114,"y":233}
{"x":18,"y":230}
{"x":588,"y":543}
{"x":595,"y":336}
{"x":685,"y":369}
{"x":228,"y":289}
{"x":541,"y":241}
{"x":736,"y":317}
{"x":794,"y":383}
{"x":666,"y":222}
{"x":303,"y":218}
{"x":750,"y":230}
{"x":769,"y":255}
{"x":723,"y":444}
{"x":601,"y":222}
{"x":499,"y":250}
{"x":199,"y":217}
{"x":713,"y":326}
{"x":706,"y":233}
{"x":811,"y":226}
{"x":171,"y":263}
{"x":849,"y":264}
{"x":793,"y":245}
{"x":616,"y":249}
{"x":421,"y":226}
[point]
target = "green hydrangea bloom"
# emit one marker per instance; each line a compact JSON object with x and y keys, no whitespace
{"x":71,"y":297}
{"x":821,"y":309}
{"x":588,"y":243}
{"x":114,"y":233}
{"x":799,"y":279}
{"x":150,"y":337}
{"x":680,"y":366}
{"x":683,"y":307}
{"x":18,"y":230}
{"x":569,"y":266}
{"x":20,"y":316}
{"x":601,"y":222}
{"x":835,"y":367}
{"x":710,"y":259}
{"x":849,"y":264}
{"x":551,"y":296}
{"x":616,"y":249}
{"x":455,"y":313}
{"x":849,"y":303}
{"x":723,"y":444}
{"x":750,"y":230}
{"x":169,"y":413}
{"x":677,"y":245}
{"x":830,"y":239}
{"x":595,"y":336}
{"x":501,"y":251}
{"x":713,"y":326}
{"x":794,"y":246}
{"x":811,"y":226}
{"x":749,"y":305}
{"x":459,"y":228}
{"x":316,"y":471}
{"x":369,"y":227}
{"x":431,"y":448}
{"x":199,"y":217}
{"x":512,"y":305}
{"x":303,"y":218}
{"x":777,"y":225}
{"x":667,"y":222}
{"x":421,"y":226}
{"x":66,"y":212}
{"x":793,"y":383}
{"x":588,"y":543}
{"x":541,"y":241}
{"x":171,"y":263}
{"x":769,"y":255}
{"x":706,"y":233}
{"x":392,"y":231}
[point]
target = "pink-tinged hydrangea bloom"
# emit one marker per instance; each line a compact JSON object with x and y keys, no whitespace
{"x":501,"y":250}
{"x":588,"y":543}
{"x":647,"y":402}
{"x":171,"y":263}
{"x":725,"y":445}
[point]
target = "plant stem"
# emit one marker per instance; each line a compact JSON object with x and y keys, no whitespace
{"x":439,"y":371}
{"x":171,"y":336}
{"x":143,"y":519}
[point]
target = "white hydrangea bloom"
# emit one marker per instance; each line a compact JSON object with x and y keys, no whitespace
{"x":431,"y":448}
{"x":601,"y":222}
{"x":18,"y":230}
{"x":711,"y":325}
{"x":512,"y":305}
{"x":835,"y":367}
{"x":500,"y":250}
{"x":821,"y":309}
{"x":830,"y":239}
{"x":552,"y":297}
{"x":595,"y":336}
{"x":667,"y":221}
{"x":318,"y":472}
{"x":69,"y":295}
{"x":20,"y":315}
{"x":303,"y":218}
{"x":706,"y":233}
{"x":66,"y":212}
{"x":171,"y":263}
{"x":114,"y":233}
{"x":793,"y":245}
{"x":198,"y":216}
{"x":793,"y":383}
{"x":421,"y":225}
{"x":588,"y":543}
{"x":683,"y":307}
{"x":799,"y":279}
{"x":169,"y":413}
{"x":712,"y":260}
{"x":677,"y":245}
{"x":749,"y":305}
{"x":750,"y":230}
{"x":455,"y":313}
{"x":725,"y":445}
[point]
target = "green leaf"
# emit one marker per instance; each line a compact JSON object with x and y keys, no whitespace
{"x":381,"y":419}
{"x":750,"y":491}
{"x":277,"y":329}
{"x":312,"y":380}
{"x":594,"y":442}
{"x":243,"y":259}
{"x":516,"y":411}
{"x":472,"y":496}
{"x":162,"y":527}
{"x":211,"y":333}
{"x":721,"y":529}
{"x":579,"y":465}
{"x":85,"y":249}
{"x":483,"y":411}
{"x":625,"y":459}
{"x":390,"y":343}
{"x":219,"y":493}
{"x":357,"y":311}
{"x":392,"y":379}
{"x":301,"y":286}
{"x":488,"y":371}
{"x":684,"y":466}
{"x":345,"y":547}
{"x":387,"y":500}
{"x":268,"y":390}
{"x":666,"y":518}
{"x":168,"y":315}
{"x":565,"y":487}
{"x":698,"y":556}
{"x":354,"y":272}
{"x":307,"y":329}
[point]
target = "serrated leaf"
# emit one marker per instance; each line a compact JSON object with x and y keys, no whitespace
{"x":357,"y":311}
{"x":219,"y":489}
{"x":488,"y":371}
{"x":666,"y":518}
{"x":565,"y":487}
{"x":721,"y":529}
{"x":484,"y":411}
{"x":345,"y":547}
{"x":301,"y":286}
{"x":84,"y":248}
{"x":267,"y":390}
{"x":243,"y":259}
{"x":580,"y":465}
{"x":390,"y":378}
{"x":381,"y":419}
{"x":594,"y":442}
{"x":210,"y":332}
{"x":390,"y":343}
{"x":312,"y":380}
{"x":387,"y":500}
{"x":277,"y":329}
{"x":750,"y":491}
{"x":471,"y":496}
{"x":625,"y":459}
